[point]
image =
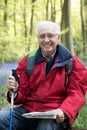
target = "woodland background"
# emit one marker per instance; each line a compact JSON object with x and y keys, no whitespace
{"x":18,"y":19}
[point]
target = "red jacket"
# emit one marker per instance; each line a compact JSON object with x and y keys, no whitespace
{"x":41,"y":93}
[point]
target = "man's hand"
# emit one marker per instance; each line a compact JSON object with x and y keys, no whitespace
{"x":12,"y":84}
{"x":59,"y":115}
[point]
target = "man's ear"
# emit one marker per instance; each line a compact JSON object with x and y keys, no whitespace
{"x":59,"y":37}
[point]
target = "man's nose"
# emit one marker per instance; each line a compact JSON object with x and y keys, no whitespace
{"x":46,"y":39}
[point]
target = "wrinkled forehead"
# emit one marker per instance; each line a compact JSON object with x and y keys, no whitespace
{"x":46,"y":29}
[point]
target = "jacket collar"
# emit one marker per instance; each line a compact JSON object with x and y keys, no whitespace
{"x":62,"y":56}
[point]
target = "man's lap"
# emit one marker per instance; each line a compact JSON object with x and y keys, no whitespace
{"x":21,"y":123}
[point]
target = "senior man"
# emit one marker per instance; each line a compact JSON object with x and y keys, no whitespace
{"x":45,"y":88}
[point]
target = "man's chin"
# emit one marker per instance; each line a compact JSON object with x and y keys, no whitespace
{"x":47,"y":52}
{"x":48,"y":49}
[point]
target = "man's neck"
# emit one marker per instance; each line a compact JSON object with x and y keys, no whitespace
{"x":50,"y":56}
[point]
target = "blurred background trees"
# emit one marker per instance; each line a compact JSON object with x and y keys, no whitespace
{"x":18,"y":19}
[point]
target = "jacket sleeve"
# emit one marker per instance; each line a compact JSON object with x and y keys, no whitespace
{"x":24,"y":89}
{"x":76,"y":89}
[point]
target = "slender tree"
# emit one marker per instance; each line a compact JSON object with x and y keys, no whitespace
{"x":32,"y":15}
{"x":14,"y":17}
{"x":84,"y":24}
{"x":47,"y":10}
{"x":66,"y":24}
{"x":53,"y":9}
{"x":24,"y":15}
{"x":5,"y":12}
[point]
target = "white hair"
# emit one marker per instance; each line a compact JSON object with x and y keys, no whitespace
{"x":47,"y":23}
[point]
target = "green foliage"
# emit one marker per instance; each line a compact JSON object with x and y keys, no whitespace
{"x":14,"y":49}
{"x":13,"y":42}
{"x":3,"y":43}
{"x":3,"y":90}
{"x":81,"y":121}
{"x":3,"y":101}
{"x":20,"y":46}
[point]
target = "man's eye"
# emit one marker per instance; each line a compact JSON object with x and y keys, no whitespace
{"x":42,"y":36}
{"x":50,"y":36}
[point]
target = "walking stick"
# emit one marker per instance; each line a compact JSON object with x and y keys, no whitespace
{"x":12,"y":98}
{"x":11,"y":109}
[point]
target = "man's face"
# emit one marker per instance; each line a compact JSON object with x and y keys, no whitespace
{"x":48,"y":40}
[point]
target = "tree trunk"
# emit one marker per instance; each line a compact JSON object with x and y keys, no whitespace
{"x":85,"y":25}
{"x":14,"y":17}
{"x":66,"y":24}
{"x":32,"y":14}
{"x":53,"y":10}
{"x":47,"y":10}
{"x":25,"y":26}
{"x":5,"y":13}
{"x":82,"y":22}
